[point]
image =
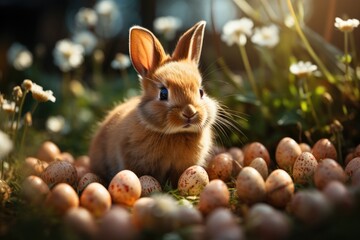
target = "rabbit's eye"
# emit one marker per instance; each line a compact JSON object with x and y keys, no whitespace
{"x":163,"y":94}
{"x":201,"y":93}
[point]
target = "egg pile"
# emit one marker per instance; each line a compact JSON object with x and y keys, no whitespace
{"x":240,"y":193}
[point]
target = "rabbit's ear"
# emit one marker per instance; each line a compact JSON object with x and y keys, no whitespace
{"x":146,"y":52}
{"x":190,"y":43}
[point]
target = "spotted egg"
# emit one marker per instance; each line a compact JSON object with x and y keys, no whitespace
{"x":254,"y":150}
{"x":304,"y":168}
{"x":125,"y":188}
{"x":323,"y":148}
{"x":96,"y":199}
{"x":220,"y":167}
{"x":352,"y":166}
{"x":193,"y":180}
{"x":60,"y":172}
{"x":86,"y":180}
{"x":328,"y":170}
{"x":149,"y":185}
{"x":286,"y":153}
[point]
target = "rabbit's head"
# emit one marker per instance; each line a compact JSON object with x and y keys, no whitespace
{"x":173,"y":99}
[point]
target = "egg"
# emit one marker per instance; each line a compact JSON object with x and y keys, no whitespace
{"x":188,"y":216}
{"x":117,"y":224}
{"x":34,"y":166}
{"x":62,"y":198}
{"x":86,"y":180}
{"x":215,"y":194}
{"x":260,"y":165}
{"x":328,"y":170}
{"x":286,"y":153}
{"x":149,"y":185}
{"x":254,"y":150}
{"x":60,"y":172}
{"x":34,"y":190}
{"x":125,"y":188}
{"x":5,"y":192}
{"x":305,"y":147}
{"x":65,"y":156}
{"x":304,"y":168}
{"x":81,"y":171}
{"x":81,"y":223}
{"x":265,"y":222}
{"x":279,"y":188}
{"x":96,"y":199}
{"x":310,"y":206}
{"x":192,"y":181}
{"x":339,"y":195}
{"x":250,"y":186}
{"x":348,"y":158}
{"x":355,"y":178}
{"x":220,"y":167}
{"x":323,"y":148}
{"x":83,"y":161}
{"x":48,"y":151}
{"x":142,"y":213}
{"x":238,"y":157}
{"x":352,"y":166}
{"x":357,"y":151}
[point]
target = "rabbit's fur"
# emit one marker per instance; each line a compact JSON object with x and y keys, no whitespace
{"x":153,"y":136}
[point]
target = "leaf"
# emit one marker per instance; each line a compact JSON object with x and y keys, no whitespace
{"x":248,"y":99}
{"x":289,"y":118}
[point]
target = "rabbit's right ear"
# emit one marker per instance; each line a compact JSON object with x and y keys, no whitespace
{"x":146,"y":52}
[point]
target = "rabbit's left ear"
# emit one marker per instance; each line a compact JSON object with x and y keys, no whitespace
{"x":190,"y":43}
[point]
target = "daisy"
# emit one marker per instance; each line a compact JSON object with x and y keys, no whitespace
{"x":6,"y":145}
{"x":68,"y":55}
{"x":86,"y":17}
{"x":167,"y":26}
{"x":19,"y":57}
{"x":121,"y":61}
{"x":267,"y":36}
{"x":9,"y":106}
{"x":40,"y":95}
{"x":235,"y":31}
{"x":302,"y":69}
{"x":109,"y":18}
{"x":346,"y":25}
{"x":87,"y":39}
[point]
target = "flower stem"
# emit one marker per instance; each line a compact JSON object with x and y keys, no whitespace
{"x":248,"y":69}
{"x":34,"y":107}
{"x":308,"y":99}
{"x":23,"y":139}
{"x":308,"y":47}
{"x":19,"y":115}
{"x":346,"y":52}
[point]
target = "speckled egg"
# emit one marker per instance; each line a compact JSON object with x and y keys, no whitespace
{"x":238,"y":157}
{"x":260,"y":165}
{"x":220,"y":167}
{"x":323,"y":148}
{"x":34,"y":190}
{"x":286,"y":153}
{"x":193,"y":180}
{"x":250,"y":186}
{"x":48,"y":151}
{"x":34,"y":166}
{"x":62,"y":197}
{"x":125,"y":188}
{"x":254,"y":150}
{"x":328,"y":170}
{"x":352,"y":166}
{"x":279,"y":188}
{"x":86,"y":180}
{"x":80,"y":221}
{"x":96,"y":199}
{"x":305,"y":147}
{"x":149,"y":185}
{"x":215,"y":194}
{"x":304,"y":168}
{"x":60,"y":172}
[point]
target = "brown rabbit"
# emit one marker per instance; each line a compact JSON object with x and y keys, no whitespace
{"x":169,"y":127}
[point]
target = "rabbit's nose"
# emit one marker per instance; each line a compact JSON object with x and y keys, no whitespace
{"x":189,"y":111}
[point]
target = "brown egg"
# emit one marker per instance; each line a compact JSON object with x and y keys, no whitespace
{"x":305,"y":147}
{"x":323,"y":148}
{"x":81,"y":172}
{"x":96,"y":199}
{"x":260,"y":165}
{"x":215,"y":194}
{"x":238,"y":157}
{"x":5,"y":191}
{"x":357,"y":151}
{"x":34,"y":166}
{"x":355,"y":178}
{"x":117,"y":224}
{"x":48,"y":151}
{"x":60,"y":172}
{"x":220,"y":167}
{"x":149,"y":185}
{"x":188,"y":216}
{"x":279,"y":188}
{"x":34,"y":190}
{"x":254,"y":150}
{"x":286,"y":153}
{"x":250,"y":186}
{"x":352,"y":166}
{"x":83,"y":161}
{"x":80,"y":222}
{"x":339,"y":195}
{"x":86,"y":180}
{"x":66,"y":156}
{"x":193,"y":180}
{"x":62,"y":198}
{"x":125,"y":188}
{"x":304,"y":168}
{"x":328,"y":170}
{"x":142,"y":213}
{"x":265,"y":222}
{"x":348,"y":158}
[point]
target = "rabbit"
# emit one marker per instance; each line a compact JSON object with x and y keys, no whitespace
{"x":170,"y":126}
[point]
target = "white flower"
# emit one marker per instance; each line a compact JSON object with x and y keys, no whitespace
{"x":9,"y":106}
{"x":19,"y":57}
{"x":87,"y":39}
{"x":235,"y":31}
{"x":55,"y":124}
{"x":6,"y":145}
{"x":167,"y":26}
{"x":68,"y":55}
{"x":86,"y":17}
{"x":346,"y":25}
{"x":267,"y":36}
{"x":109,"y":21}
{"x":289,"y":21}
{"x":40,"y":95}
{"x":121,"y":61}
{"x":302,"y":69}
